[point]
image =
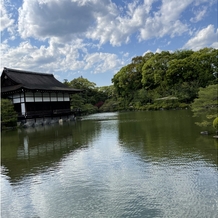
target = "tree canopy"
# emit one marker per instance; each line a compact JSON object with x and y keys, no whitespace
{"x":173,"y":77}
{"x":91,"y":98}
{"x":157,"y":75}
{"x":206,"y":106}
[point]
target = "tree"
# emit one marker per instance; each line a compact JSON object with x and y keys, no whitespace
{"x":206,"y":105}
{"x":152,"y":76}
{"x":8,"y":114}
{"x":127,"y":80}
{"x":82,"y":83}
{"x":158,"y":75}
{"x":215,"y":123}
{"x":77,"y":101}
{"x":181,"y":70}
{"x":154,"y":70}
{"x":206,"y":66}
{"x":91,"y":98}
{"x":107,"y":91}
{"x":181,"y":54}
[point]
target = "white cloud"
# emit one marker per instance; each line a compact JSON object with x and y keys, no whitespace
{"x":101,"y":21}
{"x":101,"y":62}
{"x":146,"y":52}
{"x":54,"y":18}
{"x":199,"y":15}
{"x":53,"y":58}
{"x":206,"y":37}
{"x":158,"y":51}
{"x":211,"y":2}
{"x":126,"y":54}
{"x":117,"y":27}
{"x":72,"y":36}
{"x":215,"y":44}
{"x":165,"y":21}
{"x":5,"y":19}
{"x":57,"y":57}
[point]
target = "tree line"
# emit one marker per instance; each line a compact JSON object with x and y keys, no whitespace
{"x":156,"y":80}
{"x":153,"y":81}
{"x":165,"y":80}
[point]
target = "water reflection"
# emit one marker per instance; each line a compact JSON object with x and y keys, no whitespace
{"x":129,"y":165}
{"x":179,"y":165}
{"x":34,"y":150}
{"x":166,"y":136}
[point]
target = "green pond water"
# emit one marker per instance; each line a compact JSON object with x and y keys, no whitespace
{"x":132,"y":164}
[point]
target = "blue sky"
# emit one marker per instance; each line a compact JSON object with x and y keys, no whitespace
{"x":96,"y":38}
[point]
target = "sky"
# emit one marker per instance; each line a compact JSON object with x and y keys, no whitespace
{"x":96,"y":38}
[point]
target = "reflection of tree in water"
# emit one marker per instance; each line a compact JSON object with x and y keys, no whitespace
{"x":34,"y":150}
{"x":165,"y":135}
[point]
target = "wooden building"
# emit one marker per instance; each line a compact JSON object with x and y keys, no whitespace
{"x":36,"y":95}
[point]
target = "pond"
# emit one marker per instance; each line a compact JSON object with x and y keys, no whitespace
{"x":130,"y":164}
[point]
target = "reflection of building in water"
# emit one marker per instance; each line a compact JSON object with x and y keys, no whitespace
{"x":34,"y":150}
{"x":38,"y":149}
{"x":25,"y":145}
{"x":31,"y":150}
{"x":43,"y":141}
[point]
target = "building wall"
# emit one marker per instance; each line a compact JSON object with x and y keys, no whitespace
{"x":39,"y":97}
{"x":39,"y":101}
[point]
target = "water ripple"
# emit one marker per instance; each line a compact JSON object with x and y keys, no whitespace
{"x":109,"y":170}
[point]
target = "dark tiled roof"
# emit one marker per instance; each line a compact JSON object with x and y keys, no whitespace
{"x":33,"y":81}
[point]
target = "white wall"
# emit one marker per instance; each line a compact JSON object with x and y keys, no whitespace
{"x":39,"y":97}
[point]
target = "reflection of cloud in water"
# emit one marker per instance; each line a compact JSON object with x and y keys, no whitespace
{"x":114,"y":175}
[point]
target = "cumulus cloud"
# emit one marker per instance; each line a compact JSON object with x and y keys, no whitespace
{"x":58,"y":57}
{"x":116,"y":27}
{"x":165,"y":21}
{"x":54,"y":18}
{"x":142,"y":19}
{"x":101,"y":20}
{"x":44,"y":59}
{"x":70,"y":35}
{"x":5,"y":20}
{"x":101,"y":62}
{"x":206,"y":37}
{"x":215,"y":44}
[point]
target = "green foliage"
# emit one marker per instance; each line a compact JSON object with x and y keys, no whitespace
{"x":107,"y":91}
{"x":89,"y":109}
{"x":81,"y":83}
{"x":215,"y":123}
{"x":206,"y":105}
{"x":158,"y":75}
{"x":137,"y":85}
{"x":128,"y":79}
{"x":91,"y":98}
{"x":77,"y":101}
{"x":154,"y":70}
{"x":8,"y":114}
{"x":110,"y":105}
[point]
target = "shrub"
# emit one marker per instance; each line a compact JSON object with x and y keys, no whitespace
{"x":8,"y":114}
{"x":215,"y":123}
